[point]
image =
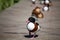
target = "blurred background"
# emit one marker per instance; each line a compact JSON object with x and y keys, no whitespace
{"x":7,"y":3}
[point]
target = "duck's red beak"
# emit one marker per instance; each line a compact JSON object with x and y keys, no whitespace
{"x":27,"y":21}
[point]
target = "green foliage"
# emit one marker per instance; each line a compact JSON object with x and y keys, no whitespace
{"x":7,"y":3}
{"x":15,"y":1}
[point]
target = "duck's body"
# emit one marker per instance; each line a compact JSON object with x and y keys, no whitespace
{"x":33,"y":27}
{"x":47,"y":2}
{"x":45,"y":8}
{"x":37,"y":13}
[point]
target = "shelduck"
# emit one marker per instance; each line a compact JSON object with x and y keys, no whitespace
{"x":37,"y":12}
{"x":32,"y":26}
{"x":33,"y":1}
{"x":45,"y":8}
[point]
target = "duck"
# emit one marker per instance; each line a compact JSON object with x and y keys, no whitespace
{"x":32,"y":26}
{"x":45,"y":8}
{"x":47,"y":2}
{"x":33,"y":1}
{"x":36,"y":12}
{"x":41,"y":1}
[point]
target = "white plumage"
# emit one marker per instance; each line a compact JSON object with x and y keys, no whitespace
{"x":30,"y":26}
{"x":33,"y":0}
{"x":45,"y":8}
{"x":38,"y":28}
{"x":47,"y":1}
{"x":42,"y":2}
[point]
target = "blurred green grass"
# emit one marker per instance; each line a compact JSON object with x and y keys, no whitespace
{"x":7,"y":3}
